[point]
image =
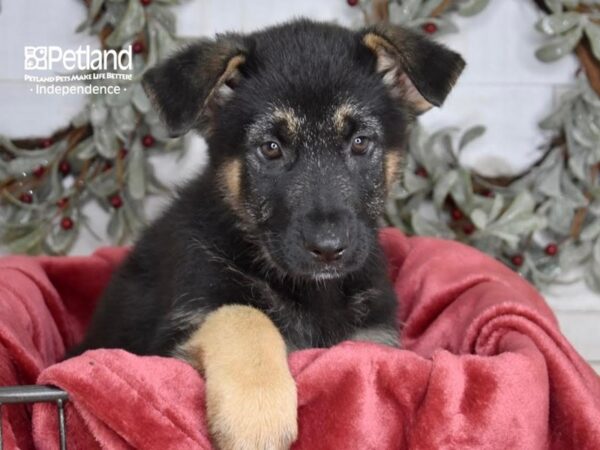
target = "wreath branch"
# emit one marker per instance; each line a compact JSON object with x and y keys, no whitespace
{"x":44,"y":182}
{"x":522,"y":219}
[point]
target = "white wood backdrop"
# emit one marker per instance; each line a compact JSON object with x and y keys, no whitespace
{"x":503,"y":87}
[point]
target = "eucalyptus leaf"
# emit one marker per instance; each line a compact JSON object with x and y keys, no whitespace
{"x":125,"y":119}
{"x":404,"y":12}
{"x":550,"y":182}
{"x":425,"y":227}
{"x":93,"y":10}
{"x":140,"y":99}
{"x":470,"y":135}
{"x":571,"y":192}
{"x":592,"y":276}
{"x":56,"y":185}
{"x":443,"y":186}
{"x":27,"y":243}
{"x":164,"y":16}
{"x":98,"y":114}
{"x":522,"y":204}
{"x":46,"y":153}
{"x":136,"y":179}
{"x":129,"y":25}
{"x":429,"y":6}
{"x":80,"y":119}
{"x":20,"y":167}
{"x":572,"y":255}
{"x":591,"y":231}
{"x":577,"y":164}
{"x":103,"y":185}
{"x":414,"y":183}
{"x":58,"y":240}
{"x":85,"y":149}
{"x":497,"y":206}
{"x":392,"y":213}
{"x":84,"y":220}
{"x":479,"y":218}
{"x":462,"y":190}
{"x":133,"y":217}
{"x":524,"y":224}
{"x":470,"y":8}
{"x":116,"y":226}
{"x":105,"y":141}
{"x":560,"y":216}
{"x":555,"y":24}
{"x":165,"y":41}
{"x":596,"y":252}
{"x":556,"y":118}
{"x":560,"y":46}
{"x":554,"y":5}
{"x":512,"y":239}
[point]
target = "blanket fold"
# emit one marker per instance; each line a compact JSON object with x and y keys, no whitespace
{"x":482,"y":365}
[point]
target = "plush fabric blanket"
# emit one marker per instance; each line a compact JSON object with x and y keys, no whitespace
{"x":483,"y":365}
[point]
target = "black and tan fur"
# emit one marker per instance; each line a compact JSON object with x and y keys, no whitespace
{"x":274,"y":246}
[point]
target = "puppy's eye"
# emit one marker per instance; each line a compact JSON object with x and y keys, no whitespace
{"x":271,"y":150}
{"x":360,"y":145}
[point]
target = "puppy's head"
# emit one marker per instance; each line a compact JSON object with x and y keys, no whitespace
{"x":306,"y":123}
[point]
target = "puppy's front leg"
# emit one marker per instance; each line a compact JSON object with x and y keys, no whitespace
{"x":251,"y":396}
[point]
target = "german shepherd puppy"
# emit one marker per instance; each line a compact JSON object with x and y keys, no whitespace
{"x":274,"y":247}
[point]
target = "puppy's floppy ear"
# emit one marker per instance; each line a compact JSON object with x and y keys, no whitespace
{"x":414,"y":67}
{"x":187,"y":86}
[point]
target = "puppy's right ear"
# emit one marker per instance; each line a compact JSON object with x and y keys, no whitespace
{"x":187,"y":87}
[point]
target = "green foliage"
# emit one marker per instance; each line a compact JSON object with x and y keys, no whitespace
{"x":566,"y":25}
{"x":418,"y":13}
{"x":107,"y":160}
{"x":544,"y":223}
{"x":556,"y":203}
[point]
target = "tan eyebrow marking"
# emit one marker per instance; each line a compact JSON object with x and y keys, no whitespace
{"x":340,"y":115}
{"x":265,"y":122}
{"x":290,"y":118}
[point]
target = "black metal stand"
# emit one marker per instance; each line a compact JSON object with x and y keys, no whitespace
{"x":33,"y":394}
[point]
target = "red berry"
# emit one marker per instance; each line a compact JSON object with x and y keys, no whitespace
{"x":65,"y":168}
{"x":456,"y":214}
{"x":137,"y":47}
{"x":62,"y":202}
{"x":145,"y":2}
{"x":39,"y":171}
{"x":66,"y":223}
{"x":107,"y":166}
{"x":551,"y":249}
{"x":123,"y":153}
{"x":430,"y":28}
{"x":116,"y":201}
{"x":148,"y":141}
{"x":47,"y":143}
{"x":469,"y":229}
{"x":487,"y":193}
{"x":352,"y":2}
{"x":422,"y":172}
{"x":517,"y":260}
{"x":26,"y":197}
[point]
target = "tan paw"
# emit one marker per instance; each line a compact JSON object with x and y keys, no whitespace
{"x":249,"y":414}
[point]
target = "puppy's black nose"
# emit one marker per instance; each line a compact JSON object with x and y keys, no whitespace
{"x":326,"y":250}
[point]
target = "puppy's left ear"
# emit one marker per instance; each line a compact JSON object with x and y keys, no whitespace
{"x":414,"y":67}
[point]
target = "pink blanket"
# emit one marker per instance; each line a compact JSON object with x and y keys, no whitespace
{"x":483,"y":366}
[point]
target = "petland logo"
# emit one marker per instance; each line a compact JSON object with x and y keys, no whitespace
{"x":84,"y":59}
